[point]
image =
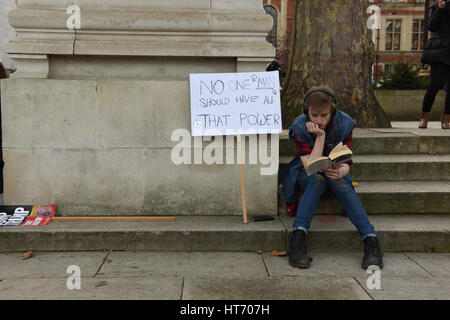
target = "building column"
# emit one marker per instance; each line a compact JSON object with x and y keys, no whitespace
{"x":282,"y":22}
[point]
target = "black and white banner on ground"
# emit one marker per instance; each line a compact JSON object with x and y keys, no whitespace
{"x":26,"y":215}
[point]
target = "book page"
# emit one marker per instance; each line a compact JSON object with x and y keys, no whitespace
{"x":315,"y":159}
{"x":338,"y":152}
{"x":317,"y":164}
{"x":339,"y":145}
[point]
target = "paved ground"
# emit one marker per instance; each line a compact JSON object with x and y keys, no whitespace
{"x":415,"y":124}
{"x":221,"y":275}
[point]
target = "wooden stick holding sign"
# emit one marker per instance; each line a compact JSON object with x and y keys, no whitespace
{"x":241,"y":172}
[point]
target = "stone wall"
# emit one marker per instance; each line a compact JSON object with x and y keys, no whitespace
{"x":178,"y":34}
{"x":104,"y":148}
{"x":6,"y":32}
{"x":406,"y":105}
{"x":89,"y":114}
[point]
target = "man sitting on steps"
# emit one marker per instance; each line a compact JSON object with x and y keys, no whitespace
{"x":316,"y":133}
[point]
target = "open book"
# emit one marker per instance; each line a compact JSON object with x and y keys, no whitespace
{"x":341,"y":153}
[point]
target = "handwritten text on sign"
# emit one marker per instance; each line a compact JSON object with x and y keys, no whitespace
{"x":230,"y":103}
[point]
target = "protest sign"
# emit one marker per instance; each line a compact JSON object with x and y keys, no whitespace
{"x":235,"y":103}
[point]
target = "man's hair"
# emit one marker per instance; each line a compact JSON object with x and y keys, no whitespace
{"x":319,"y":99}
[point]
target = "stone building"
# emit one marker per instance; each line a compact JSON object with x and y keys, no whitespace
{"x":401,"y":34}
{"x":282,"y":12}
{"x":6,"y":32}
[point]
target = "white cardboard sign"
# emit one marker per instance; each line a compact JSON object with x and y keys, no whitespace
{"x":235,"y":103}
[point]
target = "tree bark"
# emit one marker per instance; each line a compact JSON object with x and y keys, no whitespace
{"x":331,"y":45}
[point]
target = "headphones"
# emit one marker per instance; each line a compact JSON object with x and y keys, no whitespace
{"x":333,"y":110}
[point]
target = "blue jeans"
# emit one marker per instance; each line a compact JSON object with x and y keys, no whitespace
{"x":313,"y":187}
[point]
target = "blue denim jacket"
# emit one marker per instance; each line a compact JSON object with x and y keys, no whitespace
{"x":341,"y":127}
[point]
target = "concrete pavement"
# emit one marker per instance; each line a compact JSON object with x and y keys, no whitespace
{"x":221,"y":276}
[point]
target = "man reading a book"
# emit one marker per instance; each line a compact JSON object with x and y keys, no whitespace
{"x":316,"y":133}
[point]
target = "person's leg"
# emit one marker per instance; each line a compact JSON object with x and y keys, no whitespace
{"x":445,"y":118}
{"x":447,"y":97}
{"x":345,"y":192}
{"x":313,"y":187}
{"x":438,"y":75}
{"x":430,"y":95}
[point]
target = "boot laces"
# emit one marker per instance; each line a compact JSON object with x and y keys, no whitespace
{"x":372,"y":246}
{"x":298,"y":241}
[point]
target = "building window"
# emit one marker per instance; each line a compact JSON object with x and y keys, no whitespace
{"x":417,"y":34}
{"x":387,"y":71}
{"x":272,"y":36}
{"x":393,"y":33}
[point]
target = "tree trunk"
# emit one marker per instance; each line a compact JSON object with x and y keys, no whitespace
{"x":331,"y":45}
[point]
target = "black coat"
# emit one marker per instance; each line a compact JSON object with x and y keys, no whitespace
{"x":437,"y":48}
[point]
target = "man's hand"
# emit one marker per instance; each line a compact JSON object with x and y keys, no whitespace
{"x":332,"y":173}
{"x":315,"y":129}
{"x":337,"y":173}
{"x":441,"y":4}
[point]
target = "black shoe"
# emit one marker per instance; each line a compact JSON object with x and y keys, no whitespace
{"x":372,"y":253}
{"x":297,"y":250}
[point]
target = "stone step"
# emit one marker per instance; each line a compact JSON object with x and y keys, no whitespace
{"x":396,"y":232}
{"x":388,"y":197}
{"x":387,"y":141}
{"x":394,"y":167}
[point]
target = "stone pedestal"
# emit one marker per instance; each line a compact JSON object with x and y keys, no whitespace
{"x":116,"y":38}
{"x":88,"y":117}
{"x":6,"y":32}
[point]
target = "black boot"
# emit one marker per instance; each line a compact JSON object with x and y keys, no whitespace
{"x":372,"y":253}
{"x":297,"y":250}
